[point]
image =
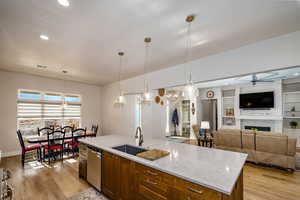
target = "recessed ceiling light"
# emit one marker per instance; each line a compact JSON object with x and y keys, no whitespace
{"x":296,"y":74}
{"x":44,"y":37}
{"x":64,"y":3}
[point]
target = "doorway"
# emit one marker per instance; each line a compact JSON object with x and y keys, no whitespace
{"x":210,"y":113}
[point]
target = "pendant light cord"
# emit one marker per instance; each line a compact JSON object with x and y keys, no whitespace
{"x":188,"y":72}
{"x":120,"y":71}
{"x":145,"y":67}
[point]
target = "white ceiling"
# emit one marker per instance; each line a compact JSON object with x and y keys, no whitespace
{"x":85,"y":37}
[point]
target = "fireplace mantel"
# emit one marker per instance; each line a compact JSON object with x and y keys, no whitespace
{"x":260,"y":117}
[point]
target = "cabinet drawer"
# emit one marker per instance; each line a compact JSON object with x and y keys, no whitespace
{"x":188,"y":191}
{"x":144,"y":193}
{"x":150,"y":179}
{"x":153,"y":174}
{"x":154,"y":185}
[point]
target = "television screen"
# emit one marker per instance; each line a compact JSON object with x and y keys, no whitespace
{"x":262,"y":100}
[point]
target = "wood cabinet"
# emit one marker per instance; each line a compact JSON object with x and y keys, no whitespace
{"x":110,"y":175}
{"x":189,"y":191}
{"x":153,"y":184}
{"x":117,"y":177}
{"x":126,"y":180}
{"x":123,"y":179}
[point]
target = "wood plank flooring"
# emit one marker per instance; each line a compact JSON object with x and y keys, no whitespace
{"x":41,"y":182}
{"x":61,"y":181}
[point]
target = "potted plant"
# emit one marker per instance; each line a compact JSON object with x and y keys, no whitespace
{"x":293,"y":124}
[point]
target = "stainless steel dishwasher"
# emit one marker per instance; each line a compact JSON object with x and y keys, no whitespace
{"x":94,"y":168}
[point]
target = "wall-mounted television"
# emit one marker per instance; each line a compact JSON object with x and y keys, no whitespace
{"x":260,"y":100}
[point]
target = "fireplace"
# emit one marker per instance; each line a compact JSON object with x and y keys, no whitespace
{"x":258,"y":128}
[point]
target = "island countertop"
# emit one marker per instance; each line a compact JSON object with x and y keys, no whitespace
{"x":212,"y":168}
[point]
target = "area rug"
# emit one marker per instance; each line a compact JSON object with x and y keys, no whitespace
{"x":89,"y":194}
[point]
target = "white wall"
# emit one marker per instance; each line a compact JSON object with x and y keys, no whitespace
{"x":10,"y":82}
{"x":275,"y":53}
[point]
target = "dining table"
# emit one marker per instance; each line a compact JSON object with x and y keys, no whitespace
{"x":34,"y":139}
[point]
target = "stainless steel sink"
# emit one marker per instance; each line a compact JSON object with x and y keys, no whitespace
{"x":132,"y":150}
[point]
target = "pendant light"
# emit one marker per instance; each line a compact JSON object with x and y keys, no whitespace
{"x":64,"y":102}
{"x":120,"y":98}
{"x":146,"y":98}
{"x":189,"y":89}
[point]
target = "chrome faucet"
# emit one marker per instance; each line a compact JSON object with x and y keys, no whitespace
{"x":139,"y":135}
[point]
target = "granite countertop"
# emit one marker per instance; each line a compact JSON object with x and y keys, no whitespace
{"x":212,"y":168}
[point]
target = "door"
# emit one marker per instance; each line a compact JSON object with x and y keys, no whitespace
{"x":110,"y":175}
{"x":210,"y":113}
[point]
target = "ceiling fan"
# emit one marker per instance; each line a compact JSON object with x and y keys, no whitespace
{"x":256,"y":80}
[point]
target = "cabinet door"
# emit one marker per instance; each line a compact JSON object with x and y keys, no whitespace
{"x":126,"y":180}
{"x":110,"y":175}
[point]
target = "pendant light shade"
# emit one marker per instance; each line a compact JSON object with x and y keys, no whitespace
{"x":189,"y":90}
{"x":120,"y":99}
{"x":146,"y":97}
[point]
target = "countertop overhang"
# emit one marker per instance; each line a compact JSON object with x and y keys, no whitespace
{"x":212,"y":168}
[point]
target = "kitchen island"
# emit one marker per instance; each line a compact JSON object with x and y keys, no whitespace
{"x":188,"y":172}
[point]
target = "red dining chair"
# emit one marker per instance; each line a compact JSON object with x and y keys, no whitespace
{"x":73,"y":144}
{"x":54,"y":145}
{"x":25,"y":149}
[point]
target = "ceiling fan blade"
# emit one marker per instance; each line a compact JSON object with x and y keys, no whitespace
{"x":267,"y":81}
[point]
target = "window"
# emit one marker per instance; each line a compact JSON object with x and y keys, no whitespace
{"x":29,"y":95}
{"x":43,"y":109}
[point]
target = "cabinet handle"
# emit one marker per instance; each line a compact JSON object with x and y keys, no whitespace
{"x":151,"y":173}
{"x":195,"y":191}
{"x":151,"y":182}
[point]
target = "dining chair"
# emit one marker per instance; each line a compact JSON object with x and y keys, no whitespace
{"x":44,"y":131}
{"x":55,"y":144}
{"x":73,"y":143}
{"x":95,"y":129}
{"x":196,"y":129}
{"x":25,"y":149}
{"x":67,"y":129}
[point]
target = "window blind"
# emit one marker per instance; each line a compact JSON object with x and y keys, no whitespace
{"x":72,"y":111}
{"x":52,"y":110}
{"x":37,"y":109}
{"x":29,"y":110}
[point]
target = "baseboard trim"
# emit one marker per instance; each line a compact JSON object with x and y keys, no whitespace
{"x":10,"y":154}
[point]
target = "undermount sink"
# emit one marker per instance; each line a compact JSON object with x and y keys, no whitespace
{"x":132,"y":150}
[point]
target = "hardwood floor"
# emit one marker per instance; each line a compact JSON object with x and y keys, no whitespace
{"x":61,"y":181}
{"x":265,"y":183}
{"x":39,"y":182}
